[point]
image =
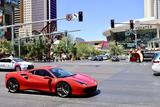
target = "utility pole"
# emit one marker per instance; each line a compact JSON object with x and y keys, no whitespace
{"x":19,"y":47}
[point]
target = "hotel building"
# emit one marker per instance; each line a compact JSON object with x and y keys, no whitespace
{"x":147,"y":29}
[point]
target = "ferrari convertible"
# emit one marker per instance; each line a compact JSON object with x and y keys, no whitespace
{"x":50,"y":79}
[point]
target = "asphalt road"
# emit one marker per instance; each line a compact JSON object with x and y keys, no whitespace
{"x":121,"y":84}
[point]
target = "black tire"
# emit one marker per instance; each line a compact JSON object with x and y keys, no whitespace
{"x":63,"y":89}
{"x":13,"y":85}
{"x":17,"y":68}
{"x":156,"y":74}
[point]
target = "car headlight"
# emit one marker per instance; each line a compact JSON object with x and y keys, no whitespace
{"x":82,"y":83}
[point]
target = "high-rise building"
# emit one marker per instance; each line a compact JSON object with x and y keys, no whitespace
{"x":18,"y":16}
{"x":36,"y":10}
{"x":148,"y":8}
{"x":152,"y":8}
{"x":7,"y":17}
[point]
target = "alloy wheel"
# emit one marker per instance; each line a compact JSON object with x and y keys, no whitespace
{"x":63,"y":89}
{"x":13,"y":85}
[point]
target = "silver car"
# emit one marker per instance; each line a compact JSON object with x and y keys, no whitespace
{"x":156,"y":64}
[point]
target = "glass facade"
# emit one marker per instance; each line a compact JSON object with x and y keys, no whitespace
{"x":6,"y":17}
{"x":12,"y":2}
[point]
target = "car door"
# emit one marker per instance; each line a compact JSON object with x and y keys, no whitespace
{"x":2,"y":63}
{"x":40,"y":80}
{"x":6,"y":64}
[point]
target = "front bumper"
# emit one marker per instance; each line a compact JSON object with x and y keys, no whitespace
{"x":80,"y":91}
{"x":27,"y":67}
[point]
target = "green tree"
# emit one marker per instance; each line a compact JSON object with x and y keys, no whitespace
{"x":36,"y":49}
{"x":5,"y":47}
{"x":115,"y":48}
{"x":64,"y":46}
{"x":85,"y":50}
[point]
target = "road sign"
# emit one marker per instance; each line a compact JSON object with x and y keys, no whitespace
{"x":127,"y":33}
{"x":69,"y":17}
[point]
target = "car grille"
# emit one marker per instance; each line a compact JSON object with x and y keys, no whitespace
{"x":90,"y":89}
{"x":30,"y":67}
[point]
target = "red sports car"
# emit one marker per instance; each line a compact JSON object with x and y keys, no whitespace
{"x":51,"y":79}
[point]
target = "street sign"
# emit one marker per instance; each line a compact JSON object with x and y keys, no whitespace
{"x":71,"y":17}
{"x":127,"y":33}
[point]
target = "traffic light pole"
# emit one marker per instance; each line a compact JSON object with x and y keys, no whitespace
{"x":24,"y":24}
{"x":19,"y":39}
{"x":12,"y":40}
{"x":135,"y":35}
{"x":80,"y":18}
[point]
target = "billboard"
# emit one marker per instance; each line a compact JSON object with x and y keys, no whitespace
{"x":12,"y":2}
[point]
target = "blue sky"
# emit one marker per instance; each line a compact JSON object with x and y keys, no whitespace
{"x":97,"y":15}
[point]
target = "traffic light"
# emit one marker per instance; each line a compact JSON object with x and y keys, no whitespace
{"x":112,"y":23}
{"x":131,"y":24}
{"x":80,"y":16}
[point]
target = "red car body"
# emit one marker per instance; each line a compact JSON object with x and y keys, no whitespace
{"x":78,"y":84}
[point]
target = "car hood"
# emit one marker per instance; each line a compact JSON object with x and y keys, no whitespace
{"x":84,"y":78}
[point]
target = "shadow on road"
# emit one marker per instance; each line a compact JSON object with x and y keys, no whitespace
{"x":4,"y":70}
{"x":88,"y":95}
{"x":51,"y":94}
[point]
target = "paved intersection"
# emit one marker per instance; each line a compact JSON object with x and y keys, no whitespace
{"x":121,"y":84}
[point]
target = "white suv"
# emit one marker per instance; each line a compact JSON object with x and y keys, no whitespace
{"x":17,"y":64}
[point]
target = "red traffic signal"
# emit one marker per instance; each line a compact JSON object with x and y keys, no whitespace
{"x":112,"y":23}
{"x":80,"y":16}
{"x":131,"y":24}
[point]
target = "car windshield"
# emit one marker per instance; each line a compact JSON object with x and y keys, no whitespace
{"x":60,"y":73}
{"x":18,"y":60}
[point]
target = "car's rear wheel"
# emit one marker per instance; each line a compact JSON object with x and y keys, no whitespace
{"x":63,"y":89}
{"x":13,"y":85}
{"x":18,"y":68}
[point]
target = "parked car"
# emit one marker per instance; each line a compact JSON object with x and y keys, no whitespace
{"x":115,"y":59}
{"x":17,"y":64}
{"x":96,"y":58}
{"x":156,"y":64}
{"x":52,"y":80}
{"x":105,"y":57}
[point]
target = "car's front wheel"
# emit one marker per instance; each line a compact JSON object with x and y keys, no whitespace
{"x":13,"y":85}
{"x":63,"y":89}
{"x":18,"y":68}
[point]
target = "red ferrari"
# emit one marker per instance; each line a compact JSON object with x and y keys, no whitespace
{"x":51,"y":79}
